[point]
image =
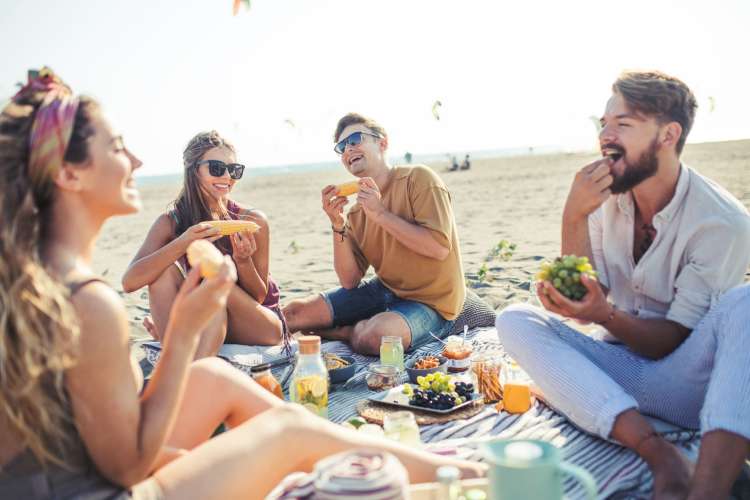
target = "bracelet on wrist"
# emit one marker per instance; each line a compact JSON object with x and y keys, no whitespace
{"x":341,"y":232}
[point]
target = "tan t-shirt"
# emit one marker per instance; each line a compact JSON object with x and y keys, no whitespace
{"x":417,"y":195}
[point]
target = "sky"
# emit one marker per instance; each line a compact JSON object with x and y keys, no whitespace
{"x":276,"y":78}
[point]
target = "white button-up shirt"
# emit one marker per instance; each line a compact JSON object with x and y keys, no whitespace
{"x":701,"y":249}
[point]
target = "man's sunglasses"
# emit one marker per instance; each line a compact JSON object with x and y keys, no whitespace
{"x":352,"y":140}
{"x":218,"y":167}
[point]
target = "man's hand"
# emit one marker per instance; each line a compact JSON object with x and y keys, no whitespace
{"x":593,"y":308}
{"x":589,"y":190}
{"x":333,"y":206}
{"x":369,"y":198}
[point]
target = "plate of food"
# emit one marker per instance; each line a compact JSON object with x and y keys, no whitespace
{"x":435,"y":393}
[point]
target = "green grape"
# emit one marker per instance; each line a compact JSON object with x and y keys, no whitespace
{"x":565,"y":275}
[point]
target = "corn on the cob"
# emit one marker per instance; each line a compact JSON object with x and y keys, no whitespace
{"x":206,"y":256}
{"x":347,"y":189}
{"x":228,"y":227}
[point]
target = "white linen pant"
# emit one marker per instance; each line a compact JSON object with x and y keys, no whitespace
{"x":704,"y":384}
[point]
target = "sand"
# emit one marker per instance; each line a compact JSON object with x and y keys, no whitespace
{"x":518,"y":199}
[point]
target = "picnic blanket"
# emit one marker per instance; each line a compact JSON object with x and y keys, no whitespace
{"x":619,"y":472}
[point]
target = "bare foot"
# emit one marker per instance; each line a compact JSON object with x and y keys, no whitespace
{"x":150,"y":327}
{"x":671,"y":470}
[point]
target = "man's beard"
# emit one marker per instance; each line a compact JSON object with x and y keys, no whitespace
{"x":644,"y":167}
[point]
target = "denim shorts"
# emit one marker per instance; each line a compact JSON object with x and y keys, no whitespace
{"x":348,"y":306}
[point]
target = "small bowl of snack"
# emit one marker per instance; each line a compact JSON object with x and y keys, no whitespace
{"x":382,"y":377}
{"x":340,"y":368}
{"x":423,"y":365}
{"x":458,"y":352}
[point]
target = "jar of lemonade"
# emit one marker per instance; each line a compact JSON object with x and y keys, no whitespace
{"x":309,"y":386}
{"x":402,"y":427}
{"x":392,"y":352}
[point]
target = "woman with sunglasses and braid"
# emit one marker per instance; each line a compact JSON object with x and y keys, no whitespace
{"x":75,"y":419}
{"x":253,"y":315}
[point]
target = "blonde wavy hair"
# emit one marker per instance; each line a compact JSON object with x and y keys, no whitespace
{"x":38,"y":325}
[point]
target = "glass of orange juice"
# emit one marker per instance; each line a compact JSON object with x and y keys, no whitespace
{"x":516,"y":389}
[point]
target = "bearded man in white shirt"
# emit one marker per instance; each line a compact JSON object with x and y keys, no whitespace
{"x":668,"y":245}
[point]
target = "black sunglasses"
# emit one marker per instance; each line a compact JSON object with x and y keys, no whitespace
{"x":218,"y":167}
{"x":352,"y":140}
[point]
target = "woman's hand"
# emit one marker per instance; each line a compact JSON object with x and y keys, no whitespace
{"x":199,"y":231}
{"x":243,"y":247}
{"x":196,"y":303}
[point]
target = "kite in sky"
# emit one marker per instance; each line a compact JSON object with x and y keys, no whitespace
{"x":436,"y":109}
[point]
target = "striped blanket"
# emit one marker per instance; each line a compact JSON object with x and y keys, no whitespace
{"x":619,"y":473}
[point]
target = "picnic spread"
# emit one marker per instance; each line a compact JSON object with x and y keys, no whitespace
{"x":619,"y":472}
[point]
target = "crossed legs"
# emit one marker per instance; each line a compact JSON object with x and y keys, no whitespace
{"x":313,"y":315}
{"x":244,"y":321}
{"x":604,"y":388}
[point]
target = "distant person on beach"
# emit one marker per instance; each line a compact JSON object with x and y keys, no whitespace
{"x":454,"y":164}
{"x":402,"y":225}
{"x":408,"y":157}
{"x":75,"y":419}
{"x":466,"y":165}
{"x":253,"y":314}
{"x":670,"y":248}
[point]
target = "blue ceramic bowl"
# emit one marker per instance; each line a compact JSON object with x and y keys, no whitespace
{"x":340,"y":375}
{"x":415,"y":372}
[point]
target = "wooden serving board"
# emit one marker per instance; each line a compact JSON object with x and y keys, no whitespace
{"x":375,"y":412}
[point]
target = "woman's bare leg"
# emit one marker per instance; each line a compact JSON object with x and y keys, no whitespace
{"x":213,"y":336}
{"x":161,"y":294}
{"x":234,"y":398}
{"x":249,"y":461}
{"x":249,"y":322}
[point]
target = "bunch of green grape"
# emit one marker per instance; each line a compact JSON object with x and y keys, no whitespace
{"x":565,"y":275}
{"x":438,"y":391}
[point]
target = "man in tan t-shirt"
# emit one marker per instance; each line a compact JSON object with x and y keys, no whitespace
{"x":403,"y":226}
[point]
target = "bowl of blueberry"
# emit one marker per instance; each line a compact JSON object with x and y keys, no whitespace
{"x":425,"y":365}
{"x":439,"y":392}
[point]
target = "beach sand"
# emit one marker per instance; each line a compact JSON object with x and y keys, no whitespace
{"x":518,"y":199}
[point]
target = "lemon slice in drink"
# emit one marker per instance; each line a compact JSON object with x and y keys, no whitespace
{"x":318,"y":387}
